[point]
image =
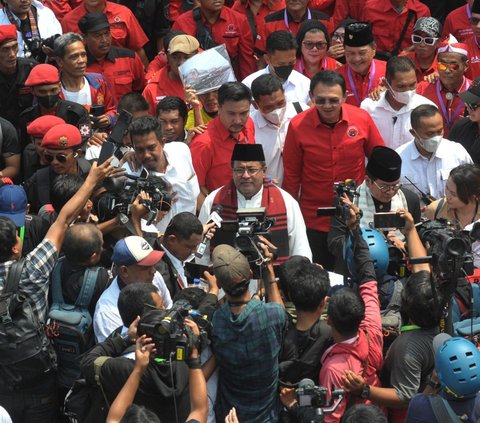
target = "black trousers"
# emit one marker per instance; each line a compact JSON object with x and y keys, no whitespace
{"x":319,"y":247}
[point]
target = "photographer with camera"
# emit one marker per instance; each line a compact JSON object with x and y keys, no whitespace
{"x":35,"y":24}
{"x":246,"y":338}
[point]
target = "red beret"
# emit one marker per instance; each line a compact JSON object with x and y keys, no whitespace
{"x":8,"y":32}
{"x":62,"y":136}
{"x":40,"y":126}
{"x":42,"y":74}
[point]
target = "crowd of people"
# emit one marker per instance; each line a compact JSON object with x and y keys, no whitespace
{"x":290,"y":236}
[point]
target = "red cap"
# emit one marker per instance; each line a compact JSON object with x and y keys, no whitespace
{"x":8,"y":32}
{"x":40,"y":126}
{"x":42,"y":74}
{"x":62,"y":136}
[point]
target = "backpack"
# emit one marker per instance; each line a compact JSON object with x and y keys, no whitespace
{"x":70,"y":325}
{"x":26,"y":353}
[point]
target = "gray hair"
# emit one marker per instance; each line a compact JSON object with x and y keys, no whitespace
{"x":62,"y":42}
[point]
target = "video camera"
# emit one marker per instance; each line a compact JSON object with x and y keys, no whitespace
{"x":35,"y":47}
{"x":123,"y":191}
{"x":348,"y":188}
{"x":172,"y":338}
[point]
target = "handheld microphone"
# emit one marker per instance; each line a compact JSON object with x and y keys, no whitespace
{"x":215,"y":216}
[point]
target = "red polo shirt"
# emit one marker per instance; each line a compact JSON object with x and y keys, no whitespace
{"x":325,"y":6}
{"x":362,"y":85}
{"x":161,"y":85}
{"x":451,"y":110}
{"x":123,"y":69}
{"x":421,"y":73}
{"x":458,"y":24}
{"x":212,"y":153}
{"x":281,"y":20}
{"x":231,"y":29}
{"x":473,"y":69}
{"x":61,"y":7}
{"x":327,"y":63}
{"x":265,"y":9}
{"x":126,"y":31}
{"x":347,"y":8}
{"x":316,"y":155}
{"x":387,"y":23}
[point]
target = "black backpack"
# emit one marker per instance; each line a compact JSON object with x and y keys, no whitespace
{"x":26,"y":353}
{"x":70,"y":325}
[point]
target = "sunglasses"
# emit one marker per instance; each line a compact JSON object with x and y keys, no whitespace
{"x":450,"y":66}
{"x":428,"y":41}
{"x":61,"y":158}
{"x":473,"y":107}
{"x":320,"y":45}
{"x":333,"y":101}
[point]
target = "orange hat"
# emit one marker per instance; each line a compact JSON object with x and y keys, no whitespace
{"x":43,"y":74}
{"x":40,"y":126}
{"x":8,"y":32}
{"x":62,"y":136}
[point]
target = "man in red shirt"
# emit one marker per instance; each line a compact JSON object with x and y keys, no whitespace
{"x":166,"y":82}
{"x":347,"y":9}
{"x":214,"y":24}
{"x":425,"y":39}
{"x":212,"y":150}
{"x":288,"y":19}
{"x":452,"y":63}
{"x":126,"y":31}
{"x":388,"y":17}
{"x":458,"y":24}
{"x":473,"y":42}
{"x":122,"y":67}
{"x":61,"y":7}
{"x":361,"y":71}
{"x":326,"y":144}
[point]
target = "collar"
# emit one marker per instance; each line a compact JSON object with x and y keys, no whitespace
{"x":222,"y":17}
{"x":110,"y":56}
{"x":224,"y":135}
{"x":290,"y":17}
{"x":257,"y":198}
{"x":178,"y":264}
{"x":344,"y":116}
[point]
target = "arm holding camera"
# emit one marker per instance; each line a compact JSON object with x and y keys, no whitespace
{"x":270,"y":281}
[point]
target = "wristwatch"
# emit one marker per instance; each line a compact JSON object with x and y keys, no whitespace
{"x":365,"y":394}
{"x":194,"y":363}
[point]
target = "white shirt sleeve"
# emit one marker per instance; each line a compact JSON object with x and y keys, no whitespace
{"x":162,"y":290}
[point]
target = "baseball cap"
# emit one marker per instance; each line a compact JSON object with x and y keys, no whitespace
{"x":13,"y":204}
{"x":472,"y":95}
{"x":183,"y":44}
{"x":62,"y":136}
{"x":8,"y":32}
{"x":41,"y":125}
{"x":43,"y":74}
{"x":135,"y":250}
{"x":230,"y":266}
{"x":93,"y":22}
{"x":431,"y":26}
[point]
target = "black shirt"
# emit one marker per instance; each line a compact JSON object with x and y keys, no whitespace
{"x":9,"y":144}
{"x":466,"y":132}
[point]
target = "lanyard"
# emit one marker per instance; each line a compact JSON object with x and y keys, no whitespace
{"x":370,"y":82}
{"x":406,"y":328}
{"x":448,"y":116}
{"x":469,"y":12}
{"x":300,"y":65}
{"x":285,"y":17}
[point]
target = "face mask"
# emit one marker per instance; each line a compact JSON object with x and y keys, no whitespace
{"x":48,"y":101}
{"x":431,"y":144}
{"x":403,"y":97}
{"x":276,"y":116}
{"x":283,"y":72}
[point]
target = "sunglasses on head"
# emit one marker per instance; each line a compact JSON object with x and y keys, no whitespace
{"x":61,"y":158}
{"x":451,"y":66}
{"x":428,"y":41}
{"x":321,"y":45}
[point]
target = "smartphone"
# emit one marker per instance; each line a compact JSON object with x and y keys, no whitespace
{"x":388,"y":220}
{"x":97,"y":110}
{"x":108,"y":148}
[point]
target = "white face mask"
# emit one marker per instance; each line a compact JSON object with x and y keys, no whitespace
{"x":403,"y":97}
{"x":431,"y":144}
{"x":276,"y":116}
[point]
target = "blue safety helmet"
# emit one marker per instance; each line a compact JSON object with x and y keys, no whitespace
{"x":458,"y":367}
{"x":378,"y":251}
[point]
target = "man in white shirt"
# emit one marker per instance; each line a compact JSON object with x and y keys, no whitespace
{"x":429,"y":158}
{"x":172,"y":161}
{"x":391,"y":113}
{"x":281,"y":57}
{"x":134,"y":259}
{"x":271,"y":118}
{"x":250,"y":189}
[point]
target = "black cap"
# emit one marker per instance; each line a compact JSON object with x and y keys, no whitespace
{"x":248,"y":153}
{"x":358,"y":34}
{"x":385,"y":164}
{"x":472,"y":95}
{"x":92,"y":22}
{"x":476,"y":6}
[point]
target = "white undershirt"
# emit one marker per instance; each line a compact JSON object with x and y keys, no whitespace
{"x":83,"y":97}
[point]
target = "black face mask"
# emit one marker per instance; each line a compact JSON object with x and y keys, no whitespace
{"x":283,"y":72}
{"x":48,"y":101}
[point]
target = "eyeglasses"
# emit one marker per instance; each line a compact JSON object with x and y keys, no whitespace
{"x":61,"y":158}
{"x":322,"y":101}
{"x":474,"y":21}
{"x":428,"y":41}
{"x":320,"y":45}
{"x":386,"y":188}
{"x":442,"y":66}
{"x":338,"y":36}
{"x":239,"y":171}
{"x":473,"y":107}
